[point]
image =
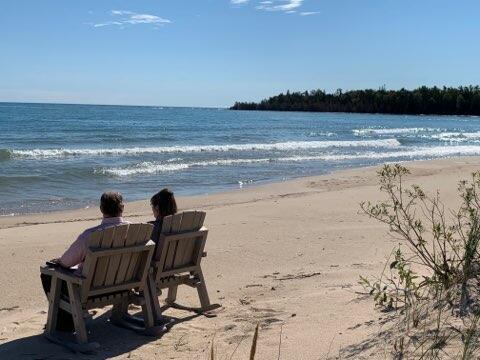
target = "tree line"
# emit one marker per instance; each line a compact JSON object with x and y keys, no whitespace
{"x":464,"y":100}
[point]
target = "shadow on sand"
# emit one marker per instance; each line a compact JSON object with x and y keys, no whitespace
{"x":114,"y":341}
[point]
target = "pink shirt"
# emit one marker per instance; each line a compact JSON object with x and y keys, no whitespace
{"x":75,"y":254}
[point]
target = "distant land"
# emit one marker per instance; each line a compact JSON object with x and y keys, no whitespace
{"x":464,"y":100}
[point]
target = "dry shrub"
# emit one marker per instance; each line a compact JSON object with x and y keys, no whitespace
{"x":431,"y":279}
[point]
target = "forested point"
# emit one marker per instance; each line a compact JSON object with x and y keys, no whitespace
{"x":464,"y":100}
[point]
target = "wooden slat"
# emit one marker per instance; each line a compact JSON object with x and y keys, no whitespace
{"x":102,"y":263}
{"x":147,"y":236}
{"x":176,"y":223}
{"x":97,"y":302}
{"x":95,"y":239}
{"x":172,"y":244}
{"x":114,"y":262}
{"x":199,"y":247}
{"x":90,"y":264}
{"x":169,"y":242}
{"x":133,"y":258}
{"x":201,"y":219}
{"x":167,"y":225}
{"x":180,"y":253}
{"x":65,"y":305}
{"x":170,"y":237}
{"x":196,"y":220}
{"x":117,"y":251}
{"x":178,"y":271}
{"x":196,"y":223}
{"x":113,"y":288}
{"x":125,"y":260}
{"x":172,"y":248}
{"x":142,"y":237}
{"x":160,"y":264}
{"x":61,"y":274}
{"x":188,"y":219}
{"x":188,"y":252}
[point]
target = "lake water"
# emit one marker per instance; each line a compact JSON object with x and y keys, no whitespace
{"x":64,"y":156}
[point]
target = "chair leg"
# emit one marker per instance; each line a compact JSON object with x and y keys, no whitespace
{"x":147,"y":309}
{"x":157,"y":311}
{"x":53,"y":302}
{"x":77,"y":313}
{"x":119,"y":310}
{"x":172,"y":294}
{"x":202,"y":290}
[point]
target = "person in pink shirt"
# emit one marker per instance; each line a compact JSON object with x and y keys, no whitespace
{"x":111,"y":206}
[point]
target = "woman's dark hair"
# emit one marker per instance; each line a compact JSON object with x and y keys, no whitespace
{"x":165,"y":202}
{"x":111,"y":204}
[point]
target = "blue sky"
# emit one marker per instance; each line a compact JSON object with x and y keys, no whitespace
{"x":214,"y":52}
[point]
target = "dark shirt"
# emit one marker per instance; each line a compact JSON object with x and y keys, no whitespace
{"x":157,"y":230}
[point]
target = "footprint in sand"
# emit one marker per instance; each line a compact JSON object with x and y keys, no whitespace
{"x":229,"y":327}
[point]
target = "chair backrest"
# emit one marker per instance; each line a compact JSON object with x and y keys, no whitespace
{"x":181,"y":244}
{"x":117,"y":260}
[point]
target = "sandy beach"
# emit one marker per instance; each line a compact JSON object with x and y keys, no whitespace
{"x":286,"y":255}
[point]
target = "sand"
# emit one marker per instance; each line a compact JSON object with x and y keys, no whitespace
{"x":286,"y":255}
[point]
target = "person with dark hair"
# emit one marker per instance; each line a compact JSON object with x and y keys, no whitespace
{"x":111,"y":206}
{"x":163,"y":204}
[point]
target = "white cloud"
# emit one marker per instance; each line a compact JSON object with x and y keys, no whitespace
{"x":120,"y":12}
{"x":284,"y":6}
{"x":107,"y":23}
{"x":123,"y":17}
{"x":147,"y":19}
{"x":280,"y":5}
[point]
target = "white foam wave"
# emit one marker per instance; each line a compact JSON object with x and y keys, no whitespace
{"x":423,"y":152}
{"x":143,"y":168}
{"x":457,"y":136}
{"x":146,"y":168}
{"x":393,"y":131}
{"x":282,"y":146}
{"x":321,"y":133}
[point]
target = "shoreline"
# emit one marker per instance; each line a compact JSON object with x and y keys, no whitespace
{"x":135,"y":208}
{"x":286,"y":255}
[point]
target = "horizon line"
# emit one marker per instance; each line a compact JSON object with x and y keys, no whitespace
{"x":125,"y":105}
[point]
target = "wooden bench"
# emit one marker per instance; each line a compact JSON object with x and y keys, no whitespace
{"x":114,"y":273}
{"x":177,"y":260}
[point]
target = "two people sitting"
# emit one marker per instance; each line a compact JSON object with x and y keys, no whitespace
{"x":111,"y":206}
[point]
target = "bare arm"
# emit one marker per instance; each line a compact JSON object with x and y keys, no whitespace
{"x":75,"y":254}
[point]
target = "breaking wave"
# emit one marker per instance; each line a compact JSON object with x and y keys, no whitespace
{"x":457,"y":136}
{"x":373,"y":131}
{"x":281,"y":146}
{"x":146,"y":168}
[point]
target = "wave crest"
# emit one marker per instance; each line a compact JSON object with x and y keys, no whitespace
{"x":148,"y":168}
{"x":393,"y":131}
{"x":282,"y":146}
{"x":457,"y":136}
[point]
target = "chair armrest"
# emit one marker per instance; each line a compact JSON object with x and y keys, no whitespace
{"x":61,"y":274}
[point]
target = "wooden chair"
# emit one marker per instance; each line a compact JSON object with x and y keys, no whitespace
{"x":114,"y":273}
{"x":177,"y":259}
